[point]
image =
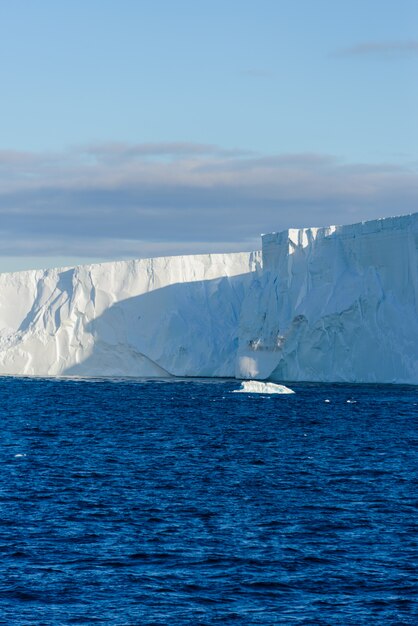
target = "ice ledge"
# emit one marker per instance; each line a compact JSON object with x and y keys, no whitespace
{"x":293,"y":238}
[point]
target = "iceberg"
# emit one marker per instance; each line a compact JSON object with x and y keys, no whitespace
{"x":255,"y":386}
{"x":169,"y":316}
{"x":334,"y":304}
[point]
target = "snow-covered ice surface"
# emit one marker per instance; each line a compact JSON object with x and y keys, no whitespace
{"x":255,"y":386}
{"x":318,"y":304}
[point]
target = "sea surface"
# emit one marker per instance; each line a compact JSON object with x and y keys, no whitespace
{"x":179,"y":502}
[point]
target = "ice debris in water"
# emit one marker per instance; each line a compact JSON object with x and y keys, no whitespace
{"x":256,"y":386}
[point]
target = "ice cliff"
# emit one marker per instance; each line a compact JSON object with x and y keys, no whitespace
{"x":151,"y":317}
{"x":318,"y":304}
{"x":334,"y":304}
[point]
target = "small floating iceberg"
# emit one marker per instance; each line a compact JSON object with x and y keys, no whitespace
{"x":256,"y":386}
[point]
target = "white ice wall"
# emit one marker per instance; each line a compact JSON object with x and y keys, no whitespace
{"x":329,"y":304}
{"x":151,"y":317}
{"x":335,"y":304}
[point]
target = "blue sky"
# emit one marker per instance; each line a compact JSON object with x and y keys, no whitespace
{"x":135,"y":128}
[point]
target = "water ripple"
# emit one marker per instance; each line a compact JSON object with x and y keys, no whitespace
{"x":133,"y":502}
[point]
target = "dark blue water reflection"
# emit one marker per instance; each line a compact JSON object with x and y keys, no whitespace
{"x":128,"y":502}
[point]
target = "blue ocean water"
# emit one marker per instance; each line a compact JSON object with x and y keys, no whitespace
{"x":160,"y":502}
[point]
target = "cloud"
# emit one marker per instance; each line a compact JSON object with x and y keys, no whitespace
{"x":381,"y":49}
{"x":121,"y":200}
{"x":121,"y":152}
